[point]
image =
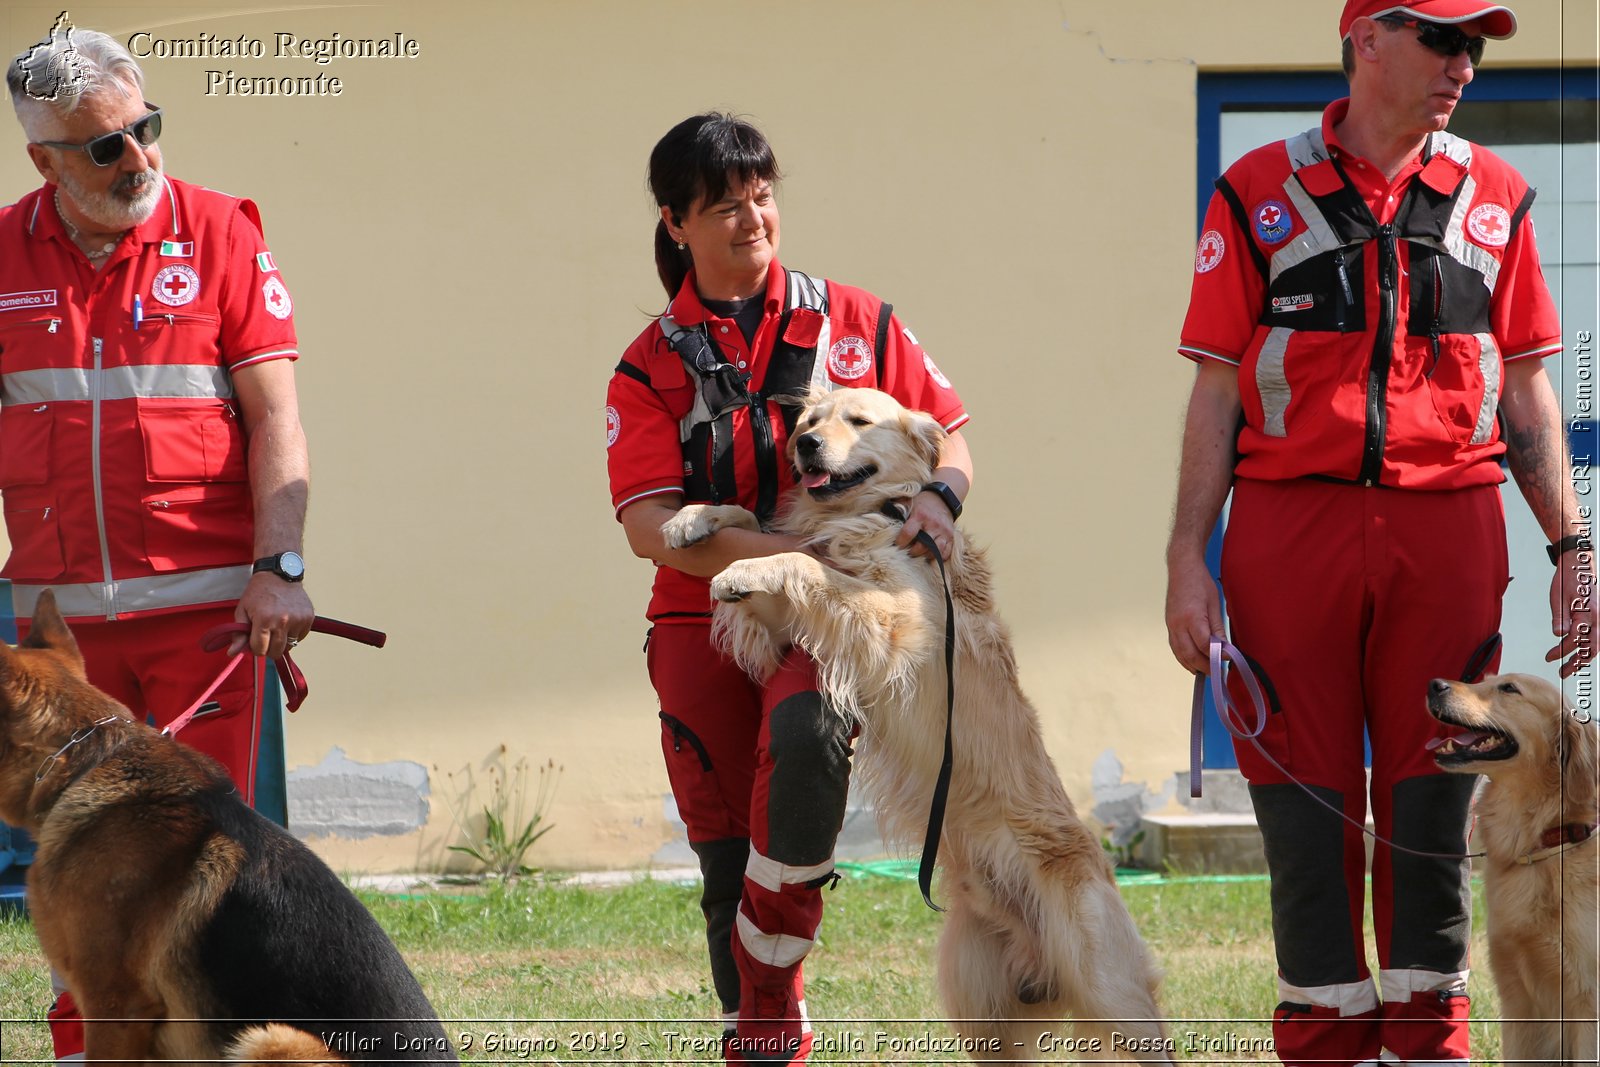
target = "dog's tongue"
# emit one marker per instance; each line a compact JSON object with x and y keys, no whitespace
{"x":1463,"y":740}
{"x":815,"y":479}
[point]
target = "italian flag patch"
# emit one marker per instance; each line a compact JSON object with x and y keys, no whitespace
{"x":264,"y":261}
{"x":181,"y":249}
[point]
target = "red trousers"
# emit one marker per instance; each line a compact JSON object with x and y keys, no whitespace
{"x":1350,"y":600}
{"x":760,"y":774}
{"x":155,"y":666}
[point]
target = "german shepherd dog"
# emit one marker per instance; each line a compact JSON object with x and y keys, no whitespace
{"x":186,"y":926}
{"x":1036,"y":928}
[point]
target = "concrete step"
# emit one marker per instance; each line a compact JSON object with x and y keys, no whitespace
{"x":1201,"y":843}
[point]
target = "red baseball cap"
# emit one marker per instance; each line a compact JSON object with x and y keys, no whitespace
{"x":1498,"y":21}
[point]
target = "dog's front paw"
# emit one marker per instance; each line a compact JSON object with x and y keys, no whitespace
{"x":744,"y":578}
{"x":695,"y":522}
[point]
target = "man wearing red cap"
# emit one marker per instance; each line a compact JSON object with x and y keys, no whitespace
{"x":1369,"y":320}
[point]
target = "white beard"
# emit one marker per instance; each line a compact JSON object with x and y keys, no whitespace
{"x":131,"y":199}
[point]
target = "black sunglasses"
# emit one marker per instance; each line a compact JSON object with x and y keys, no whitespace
{"x":1445,"y":40}
{"x":108,"y":147}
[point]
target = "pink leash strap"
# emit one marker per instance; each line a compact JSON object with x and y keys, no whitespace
{"x":295,"y":688}
{"x":1227,"y":711}
{"x":1219,"y":651}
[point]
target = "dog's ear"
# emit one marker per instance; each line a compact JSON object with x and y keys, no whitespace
{"x":929,"y":435}
{"x":1578,"y":761}
{"x":49,"y":630}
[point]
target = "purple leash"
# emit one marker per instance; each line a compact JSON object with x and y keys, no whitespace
{"x":1221,"y":654}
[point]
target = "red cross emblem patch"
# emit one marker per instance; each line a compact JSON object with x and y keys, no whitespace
{"x":849,"y":358}
{"x":1209,"y":252}
{"x":176,"y":285}
{"x":1490,"y":225}
{"x":276,"y":297}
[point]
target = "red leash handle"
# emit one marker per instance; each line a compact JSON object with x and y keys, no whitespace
{"x":293,"y":679}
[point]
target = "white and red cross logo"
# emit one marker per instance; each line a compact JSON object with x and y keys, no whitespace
{"x":276,"y":297}
{"x":1490,"y":225}
{"x":1209,"y":252}
{"x":176,"y":285}
{"x":850,"y":358}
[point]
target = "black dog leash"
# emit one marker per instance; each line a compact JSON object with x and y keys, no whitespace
{"x":941,"y":787}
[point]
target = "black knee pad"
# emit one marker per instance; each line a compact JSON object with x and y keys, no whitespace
{"x":810,"y":751}
{"x":1311,"y":907}
{"x":722,"y":864}
{"x":1432,"y":897}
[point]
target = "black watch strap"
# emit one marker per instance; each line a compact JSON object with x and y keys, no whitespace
{"x":948,"y":495}
{"x":1567,"y":544}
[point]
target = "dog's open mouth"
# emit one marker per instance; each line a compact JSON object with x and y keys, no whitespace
{"x":826,"y":483}
{"x":1472,"y":746}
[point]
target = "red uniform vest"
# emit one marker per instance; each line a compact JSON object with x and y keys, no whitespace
{"x":1375,"y":351}
{"x":663,"y":438}
{"x":122,"y":454}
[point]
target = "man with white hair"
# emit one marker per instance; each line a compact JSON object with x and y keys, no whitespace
{"x":152,"y":461}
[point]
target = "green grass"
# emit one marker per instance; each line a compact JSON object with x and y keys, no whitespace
{"x":627,"y":967}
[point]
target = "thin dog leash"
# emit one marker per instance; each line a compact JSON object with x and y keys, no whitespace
{"x":941,"y":786}
{"x":295,"y":688}
{"x":1223,"y":653}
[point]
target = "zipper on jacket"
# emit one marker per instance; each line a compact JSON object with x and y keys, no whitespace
{"x":1438,"y":313}
{"x":50,"y":325}
{"x":711,"y":464}
{"x":1346,"y":296}
{"x":766,"y":457}
{"x":1382,"y":357}
{"x":96,"y":384}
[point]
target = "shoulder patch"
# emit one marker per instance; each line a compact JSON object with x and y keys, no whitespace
{"x":1489,"y":224}
{"x":850,"y":358}
{"x":613,"y":425}
{"x":1272,"y":221}
{"x":1210,"y":251}
{"x":276,"y":297}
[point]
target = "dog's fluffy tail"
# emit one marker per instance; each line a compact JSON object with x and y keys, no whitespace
{"x":276,"y":1044}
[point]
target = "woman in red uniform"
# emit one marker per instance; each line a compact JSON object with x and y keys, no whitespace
{"x":759,"y":772}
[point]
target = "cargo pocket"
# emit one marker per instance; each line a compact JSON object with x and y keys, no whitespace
{"x":34,"y":527}
{"x":192,"y":441}
{"x":694,"y":782}
{"x":1274,"y":735}
{"x":198,"y":526}
{"x":25,"y":431}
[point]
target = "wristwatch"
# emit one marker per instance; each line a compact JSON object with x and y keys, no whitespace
{"x":948,"y":495}
{"x":1567,"y":544}
{"x":286,"y":565}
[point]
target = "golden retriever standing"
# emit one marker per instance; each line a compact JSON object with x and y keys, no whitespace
{"x":1036,"y":928}
{"x":181,"y":920}
{"x":1536,"y":820}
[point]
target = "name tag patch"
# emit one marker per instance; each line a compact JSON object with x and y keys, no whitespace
{"x":1300,"y":302}
{"x":37,"y":298}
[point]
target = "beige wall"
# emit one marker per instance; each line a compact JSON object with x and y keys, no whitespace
{"x":467,"y":237}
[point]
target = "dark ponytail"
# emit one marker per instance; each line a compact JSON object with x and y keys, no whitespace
{"x":693,"y":165}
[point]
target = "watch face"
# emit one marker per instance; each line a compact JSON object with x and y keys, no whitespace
{"x":292,"y":565}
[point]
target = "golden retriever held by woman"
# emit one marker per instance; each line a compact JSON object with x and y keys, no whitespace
{"x":1536,"y":821}
{"x":1036,"y":928}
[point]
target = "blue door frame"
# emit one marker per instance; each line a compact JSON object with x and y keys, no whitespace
{"x":1217,"y":93}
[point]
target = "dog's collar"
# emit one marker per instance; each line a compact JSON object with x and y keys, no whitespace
{"x":1559,"y":839}
{"x":78,"y":737}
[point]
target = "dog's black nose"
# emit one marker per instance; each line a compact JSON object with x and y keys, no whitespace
{"x":807,"y":444}
{"x":1438,"y":687}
